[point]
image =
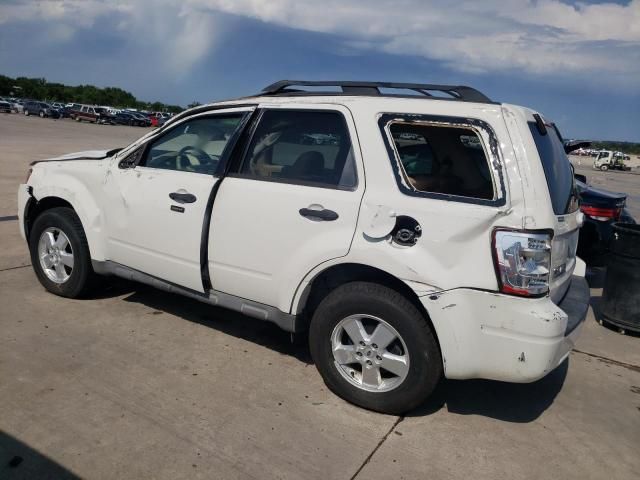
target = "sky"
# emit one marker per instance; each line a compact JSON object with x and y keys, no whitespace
{"x":576,"y":62}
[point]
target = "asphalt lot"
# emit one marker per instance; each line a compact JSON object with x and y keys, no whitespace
{"x":136,"y":383}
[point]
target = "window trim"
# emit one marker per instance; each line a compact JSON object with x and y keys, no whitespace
{"x":495,"y":164}
{"x":236,"y":168}
{"x":224,"y":155}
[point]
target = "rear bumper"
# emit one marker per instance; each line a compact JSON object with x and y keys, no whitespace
{"x":500,"y":337}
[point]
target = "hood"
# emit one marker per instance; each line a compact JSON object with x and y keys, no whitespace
{"x":85,"y":155}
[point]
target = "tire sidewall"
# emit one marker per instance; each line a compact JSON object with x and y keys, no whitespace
{"x":425,"y":363}
{"x":62,"y":218}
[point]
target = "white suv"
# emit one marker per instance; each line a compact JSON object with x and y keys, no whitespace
{"x":413,"y":231}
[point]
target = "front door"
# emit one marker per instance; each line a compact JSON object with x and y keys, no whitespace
{"x":157,"y":208}
{"x":291,"y":204}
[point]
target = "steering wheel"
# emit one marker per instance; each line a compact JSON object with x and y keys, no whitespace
{"x":202,"y":156}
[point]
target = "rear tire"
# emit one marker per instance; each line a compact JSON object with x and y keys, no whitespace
{"x":26,"y":113}
{"x":413,"y":355}
{"x":41,"y":114}
{"x":60,"y":253}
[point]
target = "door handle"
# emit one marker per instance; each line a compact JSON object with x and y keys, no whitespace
{"x":324,"y":214}
{"x":182,"y":197}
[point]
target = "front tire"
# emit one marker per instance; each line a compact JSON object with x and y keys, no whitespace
{"x":26,"y":113}
{"x":41,"y":114}
{"x":604,"y":168}
{"x":60,"y":253}
{"x":374,"y":348}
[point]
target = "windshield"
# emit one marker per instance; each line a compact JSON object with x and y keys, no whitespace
{"x":557,"y":169}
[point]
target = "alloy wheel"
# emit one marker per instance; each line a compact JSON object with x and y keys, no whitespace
{"x":369,"y":353}
{"x":56,"y":255}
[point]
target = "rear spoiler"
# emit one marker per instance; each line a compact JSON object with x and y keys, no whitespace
{"x":572,"y":145}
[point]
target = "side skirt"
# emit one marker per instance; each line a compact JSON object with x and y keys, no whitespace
{"x":250,"y":308}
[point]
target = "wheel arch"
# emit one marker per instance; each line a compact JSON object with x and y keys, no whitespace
{"x":35,"y":207}
{"x":330,"y":278}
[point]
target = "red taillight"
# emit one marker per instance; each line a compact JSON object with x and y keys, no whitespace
{"x":602,"y":214}
{"x":523,"y":261}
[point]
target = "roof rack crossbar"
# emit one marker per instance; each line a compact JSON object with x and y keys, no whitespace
{"x":457,"y":92}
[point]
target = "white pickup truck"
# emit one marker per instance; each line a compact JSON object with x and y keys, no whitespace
{"x":414,"y":231}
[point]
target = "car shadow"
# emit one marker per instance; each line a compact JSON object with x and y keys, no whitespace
{"x":18,"y":460}
{"x":508,"y":402}
{"x":226,"y":321}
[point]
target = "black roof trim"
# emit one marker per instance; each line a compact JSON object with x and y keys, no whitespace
{"x":456,"y":92}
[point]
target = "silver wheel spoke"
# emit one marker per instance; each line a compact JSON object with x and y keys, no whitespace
{"x":355,"y":330}
{"x":49,"y":239}
{"x":46,"y":261}
{"x":344,"y":354}
{"x":67,"y":259}
{"x":371,"y":376}
{"x":395,"y":364}
{"x":60,"y":273}
{"x":62,"y":241}
{"x":382,"y":336}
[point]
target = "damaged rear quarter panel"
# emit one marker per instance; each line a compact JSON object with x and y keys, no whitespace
{"x":454,"y":249}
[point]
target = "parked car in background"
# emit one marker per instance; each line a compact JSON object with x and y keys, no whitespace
{"x":94,"y":115}
{"x":5,"y":107}
{"x":158,"y":118}
{"x":601,"y":209}
{"x":126,"y":118}
{"x":17,"y":106}
{"x":162,"y":120}
{"x":41,"y":109}
{"x":73,"y":108}
{"x":143,"y":120}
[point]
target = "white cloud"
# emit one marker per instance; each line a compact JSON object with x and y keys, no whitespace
{"x":544,"y":37}
{"x":547,"y":37}
{"x":163,"y":31}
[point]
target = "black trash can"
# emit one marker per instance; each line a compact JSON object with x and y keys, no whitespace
{"x":621,"y":295}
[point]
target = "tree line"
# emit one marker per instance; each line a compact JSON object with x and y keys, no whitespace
{"x":41,"y":89}
{"x":630,"y":148}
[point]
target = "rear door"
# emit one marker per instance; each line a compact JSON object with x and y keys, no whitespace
{"x":290,"y":203}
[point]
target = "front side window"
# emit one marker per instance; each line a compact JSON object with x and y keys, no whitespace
{"x":193,"y":146}
{"x":304,"y":147}
{"x":442,"y":159}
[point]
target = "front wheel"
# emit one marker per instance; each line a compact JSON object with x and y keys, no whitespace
{"x":604,"y":168}
{"x":60,"y":253}
{"x":374,"y":348}
{"x":41,"y":114}
{"x":26,"y":113}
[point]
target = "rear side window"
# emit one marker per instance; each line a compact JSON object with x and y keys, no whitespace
{"x":557,"y":169}
{"x":302,"y":147}
{"x":443,"y":159}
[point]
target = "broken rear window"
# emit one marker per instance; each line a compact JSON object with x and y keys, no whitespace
{"x":443,"y":159}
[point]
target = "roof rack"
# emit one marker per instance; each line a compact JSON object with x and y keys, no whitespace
{"x":455,"y":92}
